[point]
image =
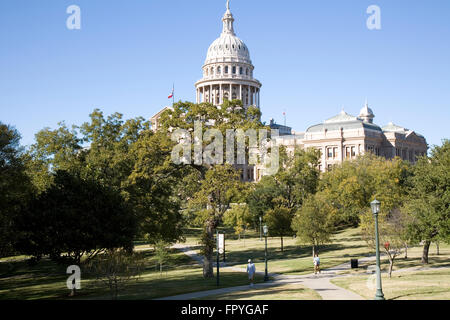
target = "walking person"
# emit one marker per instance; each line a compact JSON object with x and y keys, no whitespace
{"x":316,"y":261}
{"x":251,"y":271}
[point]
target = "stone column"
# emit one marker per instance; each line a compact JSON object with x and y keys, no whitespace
{"x":257,"y":97}
{"x":240,"y":91}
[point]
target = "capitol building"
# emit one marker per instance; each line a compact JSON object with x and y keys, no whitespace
{"x":228,"y":73}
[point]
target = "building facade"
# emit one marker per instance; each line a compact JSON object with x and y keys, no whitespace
{"x":345,"y":137}
{"x":228,"y":74}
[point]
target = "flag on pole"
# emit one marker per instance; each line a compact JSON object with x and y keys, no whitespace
{"x":171,"y":95}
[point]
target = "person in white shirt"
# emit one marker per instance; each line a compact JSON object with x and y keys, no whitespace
{"x":316,"y":261}
{"x":251,"y":271}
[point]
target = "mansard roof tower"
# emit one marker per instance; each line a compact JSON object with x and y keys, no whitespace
{"x":228,"y":70}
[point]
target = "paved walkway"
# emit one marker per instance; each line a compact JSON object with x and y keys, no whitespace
{"x":320,"y":282}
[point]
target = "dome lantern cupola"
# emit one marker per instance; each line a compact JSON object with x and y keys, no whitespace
{"x":366,"y":114}
{"x":228,"y":21}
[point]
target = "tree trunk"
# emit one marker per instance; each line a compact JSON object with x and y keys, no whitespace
{"x":391,"y":265}
{"x":208,"y":271}
{"x":437,"y":248}
{"x":281,"y":243}
{"x":426,"y":248}
{"x":314,"y":250}
{"x":406,"y":251}
{"x":116,"y":289}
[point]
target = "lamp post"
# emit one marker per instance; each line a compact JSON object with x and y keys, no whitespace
{"x":375,"y":206}
{"x":266,"y":231}
{"x":260,"y":228}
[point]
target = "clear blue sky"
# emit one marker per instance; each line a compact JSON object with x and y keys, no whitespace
{"x":312,"y":57}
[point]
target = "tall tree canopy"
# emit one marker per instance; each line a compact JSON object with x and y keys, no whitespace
{"x":429,"y":201}
{"x":351,"y":186}
{"x":15,"y":187}
{"x":72,"y":218}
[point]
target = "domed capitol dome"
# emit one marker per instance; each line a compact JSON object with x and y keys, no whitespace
{"x":228,"y":69}
{"x":228,"y":46}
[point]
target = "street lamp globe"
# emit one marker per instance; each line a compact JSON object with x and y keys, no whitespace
{"x":375,"y":205}
{"x":266,"y":230}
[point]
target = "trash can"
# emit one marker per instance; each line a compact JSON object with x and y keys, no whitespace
{"x":354,"y":263}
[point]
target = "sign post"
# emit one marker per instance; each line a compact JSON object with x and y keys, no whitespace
{"x":224,"y":248}
{"x":220,"y":249}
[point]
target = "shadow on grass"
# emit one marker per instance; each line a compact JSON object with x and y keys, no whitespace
{"x":47,"y":280}
{"x":274,"y":290}
{"x":433,"y":292}
{"x":166,"y":286}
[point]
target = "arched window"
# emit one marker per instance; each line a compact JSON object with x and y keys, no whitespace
{"x":226,"y":69}
{"x":241,"y":70}
{"x":234,"y":70}
{"x":219,"y":70}
{"x":246,"y":71}
{"x":212,"y":71}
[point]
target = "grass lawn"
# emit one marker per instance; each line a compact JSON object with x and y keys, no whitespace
{"x":47,"y":280}
{"x":295,"y":259}
{"x":420,"y":285}
{"x":281,"y":292}
{"x":413,"y":283}
{"x":413,"y":260}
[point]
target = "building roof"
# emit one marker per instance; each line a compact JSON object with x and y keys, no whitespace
{"x":345,"y":121}
{"x":391,"y":127}
{"x":341,"y":117}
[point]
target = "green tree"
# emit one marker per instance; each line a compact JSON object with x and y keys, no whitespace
{"x":279,"y":221}
{"x":151,"y":188}
{"x":162,"y":253}
{"x":215,"y":194}
{"x":260,"y":199}
{"x":392,"y":230}
{"x":297,"y":178}
{"x":111,"y":152}
{"x":218,"y":184}
{"x":238,"y":217}
{"x":59,"y":149}
{"x":74,"y":218}
{"x":350,"y":187}
{"x":15,"y":186}
{"x":429,"y":198}
{"x":312,"y":223}
{"x":115,"y":269}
